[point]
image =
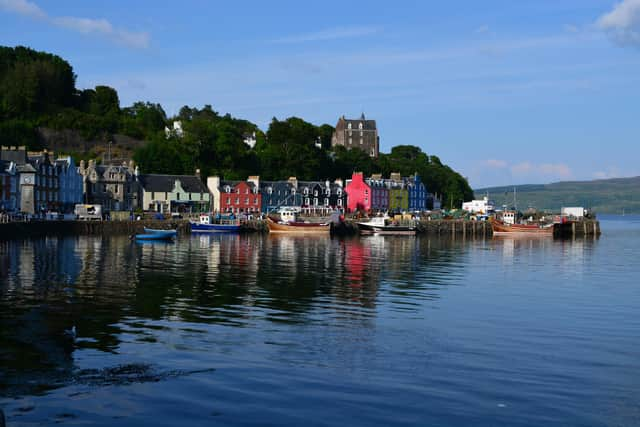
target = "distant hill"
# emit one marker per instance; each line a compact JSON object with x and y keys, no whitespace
{"x":603,"y":196}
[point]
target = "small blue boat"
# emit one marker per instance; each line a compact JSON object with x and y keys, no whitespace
{"x":172,"y":233}
{"x":155,"y":236}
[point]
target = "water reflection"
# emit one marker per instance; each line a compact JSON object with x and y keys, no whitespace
{"x":120,"y":292}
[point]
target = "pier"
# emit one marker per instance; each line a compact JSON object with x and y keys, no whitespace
{"x":441,"y":227}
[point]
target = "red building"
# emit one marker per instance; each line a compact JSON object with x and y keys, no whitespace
{"x":369,"y":195}
{"x":358,"y":193}
{"x":239,"y":197}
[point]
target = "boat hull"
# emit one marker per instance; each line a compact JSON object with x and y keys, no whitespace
{"x":171,"y":233}
{"x":215,"y":228}
{"x":501,"y":229}
{"x":298,"y":228}
{"x":157,"y":237}
{"x":389,"y":230}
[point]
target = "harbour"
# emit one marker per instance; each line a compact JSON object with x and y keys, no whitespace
{"x":421,"y":330}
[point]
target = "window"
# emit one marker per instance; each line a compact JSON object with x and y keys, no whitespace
{"x":166,"y":196}
{"x":246,"y":201}
{"x":306,"y":191}
{"x":255,"y":201}
{"x":339,"y":202}
{"x":237,"y":200}
{"x":349,"y":125}
{"x":315,"y":201}
{"x":116,"y":189}
{"x":315,"y":193}
{"x":228,"y":200}
{"x":246,"y":191}
{"x":360,"y":127}
{"x":237,"y":191}
{"x":189,"y":196}
{"x":306,"y":201}
{"x":339,"y":192}
{"x":270,"y":190}
{"x":104,"y":188}
{"x":227,"y":189}
{"x":177,"y":196}
{"x":326,"y":202}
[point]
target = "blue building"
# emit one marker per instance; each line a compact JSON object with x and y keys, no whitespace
{"x":417,"y":193}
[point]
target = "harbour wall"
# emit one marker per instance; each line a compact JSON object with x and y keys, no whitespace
{"x":464,"y":228}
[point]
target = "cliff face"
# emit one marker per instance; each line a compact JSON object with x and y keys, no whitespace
{"x":69,"y":141}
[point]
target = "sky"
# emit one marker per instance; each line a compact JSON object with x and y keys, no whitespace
{"x":505,"y":92}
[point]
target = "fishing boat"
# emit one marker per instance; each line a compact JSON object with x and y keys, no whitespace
{"x":207,"y":224}
{"x":288,"y":223}
{"x":501,"y":228}
{"x":383,"y":225}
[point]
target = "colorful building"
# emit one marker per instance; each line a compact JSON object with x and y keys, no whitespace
{"x":235,"y":196}
{"x":398,"y":193}
{"x":417,"y":193}
{"x":173,"y":193}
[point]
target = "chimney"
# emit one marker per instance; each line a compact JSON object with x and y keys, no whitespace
{"x":255,"y":179}
{"x":293,"y":181}
{"x":213,"y":183}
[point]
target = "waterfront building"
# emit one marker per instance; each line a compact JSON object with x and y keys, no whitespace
{"x":46,"y":185}
{"x":70,"y":189}
{"x":361,"y":193}
{"x":379,"y":193}
{"x":235,"y":196}
{"x":482,"y":206}
{"x":357,"y":133}
{"x":9,"y":194}
{"x":173,"y":193}
{"x":417,"y":193}
{"x":276,"y":194}
{"x":111,"y":185}
{"x":398,"y":193}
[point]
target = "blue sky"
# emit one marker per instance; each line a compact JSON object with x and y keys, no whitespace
{"x":506,"y":92}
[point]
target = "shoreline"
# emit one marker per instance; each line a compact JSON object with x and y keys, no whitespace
{"x":463,"y":228}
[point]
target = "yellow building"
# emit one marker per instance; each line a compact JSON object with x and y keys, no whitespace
{"x":398,"y":193}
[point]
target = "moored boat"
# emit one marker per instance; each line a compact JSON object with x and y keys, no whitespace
{"x":383,"y":225}
{"x":171,"y":232}
{"x":155,"y":236}
{"x":220,"y":225}
{"x":289,"y":223}
{"x":504,"y":229}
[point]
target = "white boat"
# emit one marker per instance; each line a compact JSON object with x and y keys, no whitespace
{"x":385,"y":225}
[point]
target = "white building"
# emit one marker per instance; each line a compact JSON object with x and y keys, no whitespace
{"x":175,"y":131}
{"x":483,"y":206}
{"x":250,"y":139}
{"x":576,"y":212}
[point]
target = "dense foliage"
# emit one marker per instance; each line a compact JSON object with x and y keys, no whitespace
{"x":38,"y":90}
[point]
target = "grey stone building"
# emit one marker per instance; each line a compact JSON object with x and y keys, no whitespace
{"x":357,"y":133}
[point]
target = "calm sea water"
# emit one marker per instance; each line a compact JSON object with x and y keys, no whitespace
{"x":264,"y":330}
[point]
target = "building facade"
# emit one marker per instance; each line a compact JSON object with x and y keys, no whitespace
{"x":9,"y":194}
{"x":70,"y":189}
{"x":417,"y":193}
{"x":173,"y":193}
{"x":357,"y":133}
{"x":276,"y":194}
{"x":398,"y":193}
{"x":235,"y":196}
{"x":112,"y":186}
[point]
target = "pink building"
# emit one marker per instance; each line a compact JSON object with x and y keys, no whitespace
{"x":367,"y":195}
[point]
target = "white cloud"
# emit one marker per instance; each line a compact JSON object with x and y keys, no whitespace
{"x":329,"y":34}
{"x":496,"y":164}
{"x":555,"y":170}
{"x":22,"y":7}
{"x":100,"y":27}
{"x":482,"y":29}
{"x":623,"y":23}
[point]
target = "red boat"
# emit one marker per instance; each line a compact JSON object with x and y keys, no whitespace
{"x":500,"y":228}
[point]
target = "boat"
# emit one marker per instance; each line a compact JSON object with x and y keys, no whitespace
{"x":288,"y":223}
{"x":383,"y":225}
{"x":207,"y":224}
{"x":501,"y":228}
{"x":155,"y":236}
{"x":171,"y":232}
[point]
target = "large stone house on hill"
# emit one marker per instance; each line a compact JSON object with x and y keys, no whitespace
{"x":357,"y":133}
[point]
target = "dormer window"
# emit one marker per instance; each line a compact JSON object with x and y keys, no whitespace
{"x":269,"y":190}
{"x":349,"y":126}
{"x":306,"y":191}
{"x":227,"y":189}
{"x":360,"y":125}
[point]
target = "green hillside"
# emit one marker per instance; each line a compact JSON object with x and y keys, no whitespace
{"x":603,"y":196}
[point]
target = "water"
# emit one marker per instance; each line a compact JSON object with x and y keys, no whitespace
{"x":264,"y":330}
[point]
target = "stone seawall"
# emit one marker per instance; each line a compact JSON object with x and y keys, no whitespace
{"x":17,"y":230}
{"x":475,"y":229}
